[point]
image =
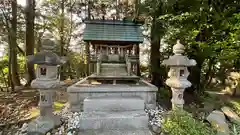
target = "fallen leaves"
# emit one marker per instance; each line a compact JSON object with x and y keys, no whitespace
{"x":15,"y":107}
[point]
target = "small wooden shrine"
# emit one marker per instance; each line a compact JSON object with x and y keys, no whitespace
{"x":113,"y":41}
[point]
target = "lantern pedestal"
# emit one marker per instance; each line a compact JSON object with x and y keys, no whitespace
{"x":43,"y":124}
{"x":177,"y":98}
{"x":47,"y":120}
{"x":178,"y":86}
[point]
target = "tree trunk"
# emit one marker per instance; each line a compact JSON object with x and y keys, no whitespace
{"x":89,"y":10}
{"x":136,"y":8}
{"x":155,"y":54}
{"x":30,"y":16}
{"x":209,"y":72}
{"x":237,"y":63}
{"x":136,"y":14}
{"x":14,"y":65}
{"x":199,"y":56}
{"x":38,"y":47}
{"x":10,"y":83}
{"x":126,"y":8}
{"x":195,"y":72}
{"x":117,"y":10}
{"x":62,"y":39}
{"x":87,"y":45}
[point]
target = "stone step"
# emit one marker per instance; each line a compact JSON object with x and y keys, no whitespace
{"x":129,"y":120}
{"x":115,"y":132}
{"x":113,"y":104}
{"x":112,"y":65}
{"x":113,"y":69}
{"x":113,"y":72}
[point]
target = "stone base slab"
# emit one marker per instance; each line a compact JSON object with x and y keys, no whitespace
{"x":129,"y":120}
{"x":108,"y":104}
{"x":42,"y":125}
{"x":76,"y":99}
{"x":115,"y":132}
{"x":78,"y":92}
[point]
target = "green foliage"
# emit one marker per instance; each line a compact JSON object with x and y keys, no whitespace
{"x":182,"y":123}
{"x":212,"y":99}
{"x":144,"y":70}
{"x":210,"y":31}
{"x":234,"y":129}
{"x":77,"y":66}
{"x":164,"y":93}
{"x":235,"y":105}
{"x":4,"y":71}
{"x":214,"y":102}
{"x":21,"y":64}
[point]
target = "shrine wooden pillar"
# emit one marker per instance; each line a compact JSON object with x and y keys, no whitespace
{"x":138,"y":62}
{"x":118,"y":50}
{"x":107,"y":50}
{"x":121,"y":52}
{"x":129,"y":51}
{"x":92,"y":66}
{"x":96,"y":50}
{"x":87,"y":53}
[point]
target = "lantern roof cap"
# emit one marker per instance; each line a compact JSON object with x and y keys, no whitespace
{"x":178,"y":48}
{"x":48,"y":42}
{"x":178,"y":59}
{"x":45,"y":58}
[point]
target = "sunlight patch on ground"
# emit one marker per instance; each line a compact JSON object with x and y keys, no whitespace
{"x":58,"y":106}
{"x":95,"y":82}
{"x":34,"y":112}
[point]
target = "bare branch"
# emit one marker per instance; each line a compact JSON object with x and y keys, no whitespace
{"x":20,"y":50}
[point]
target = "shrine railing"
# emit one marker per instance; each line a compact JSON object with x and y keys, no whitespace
{"x":107,"y":59}
{"x":130,"y":61}
{"x":93,"y":58}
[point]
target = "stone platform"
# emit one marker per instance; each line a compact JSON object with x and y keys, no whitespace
{"x":81,"y":90}
{"x":105,"y":104}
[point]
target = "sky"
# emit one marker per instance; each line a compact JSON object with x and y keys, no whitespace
{"x":21,"y":2}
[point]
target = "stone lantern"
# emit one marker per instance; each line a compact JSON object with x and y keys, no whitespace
{"x":178,"y":74}
{"x":47,"y":79}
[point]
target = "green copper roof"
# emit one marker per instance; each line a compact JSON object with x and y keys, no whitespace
{"x":115,"y":31}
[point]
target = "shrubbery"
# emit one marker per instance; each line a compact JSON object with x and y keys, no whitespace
{"x":182,"y":123}
{"x":234,"y":129}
